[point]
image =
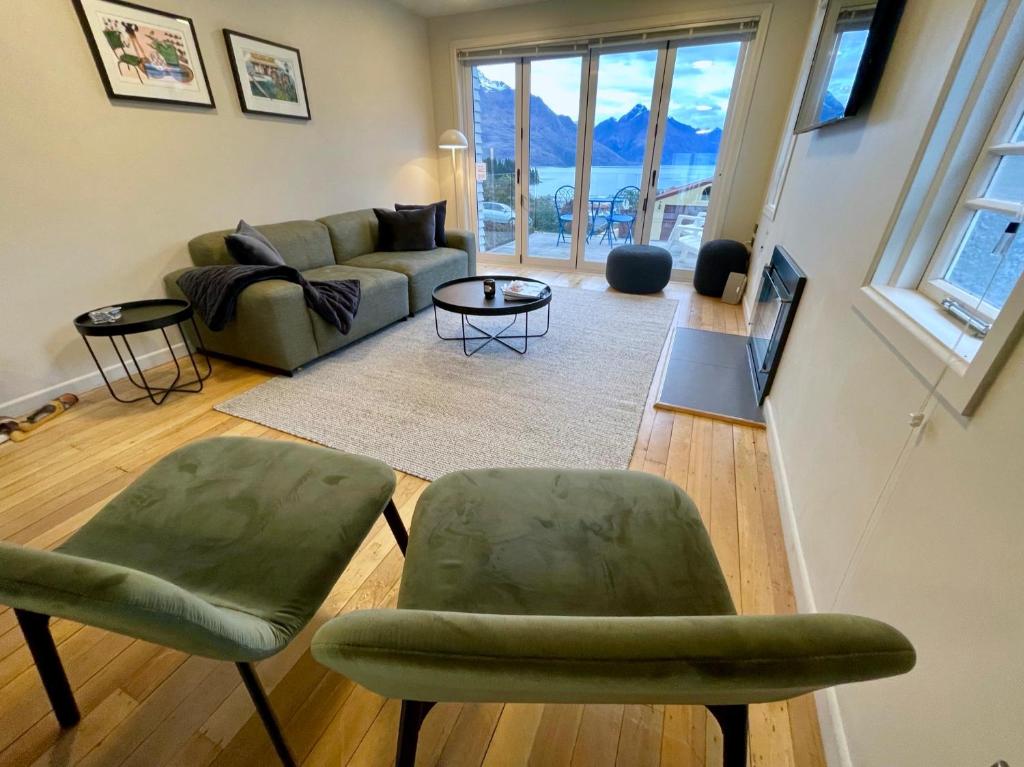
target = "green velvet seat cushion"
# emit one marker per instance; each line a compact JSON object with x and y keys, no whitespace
{"x":384,"y":298}
{"x":541,"y":586}
{"x":425,"y":269}
{"x":224,"y":548}
{"x":542,"y":542}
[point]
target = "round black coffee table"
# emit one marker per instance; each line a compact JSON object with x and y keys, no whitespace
{"x":465,"y":297}
{"x":139,"y":317}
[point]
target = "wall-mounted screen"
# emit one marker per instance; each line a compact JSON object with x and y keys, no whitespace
{"x":854,"y":43}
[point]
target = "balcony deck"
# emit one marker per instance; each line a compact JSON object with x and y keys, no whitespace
{"x":546,"y":245}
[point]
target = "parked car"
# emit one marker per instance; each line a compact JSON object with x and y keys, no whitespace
{"x":497,"y":213}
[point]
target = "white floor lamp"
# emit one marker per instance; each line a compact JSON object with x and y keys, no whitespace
{"x":457,"y":142}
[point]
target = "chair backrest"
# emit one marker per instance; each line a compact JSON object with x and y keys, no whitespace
{"x":302,"y":244}
{"x":564,"y":196}
{"x":626,"y":201}
{"x":127,"y":601}
{"x":353,"y":233}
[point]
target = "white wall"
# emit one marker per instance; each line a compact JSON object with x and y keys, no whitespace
{"x":786,"y":34}
{"x":98,"y":198}
{"x":943,"y":561}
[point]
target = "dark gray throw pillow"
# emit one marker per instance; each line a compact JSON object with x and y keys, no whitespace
{"x":440,"y":212}
{"x":405,"y":229}
{"x":248,"y":246}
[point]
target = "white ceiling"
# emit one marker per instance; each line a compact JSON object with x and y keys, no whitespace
{"x":448,"y":7}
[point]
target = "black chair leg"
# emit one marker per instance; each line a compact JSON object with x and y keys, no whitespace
{"x":36,"y":629}
{"x":733,"y":721}
{"x":259,"y":699}
{"x":397,"y":526}
{"x":413,"y":714}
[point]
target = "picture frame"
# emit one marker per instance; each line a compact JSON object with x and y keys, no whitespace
{"x":145,"y":54}
{"x":268,"y":76}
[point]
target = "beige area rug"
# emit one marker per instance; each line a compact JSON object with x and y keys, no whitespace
{"x":417,"y":403}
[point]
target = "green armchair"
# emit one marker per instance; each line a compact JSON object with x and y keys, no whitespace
{"x":225,"y":548}
{"x":542,"y":586}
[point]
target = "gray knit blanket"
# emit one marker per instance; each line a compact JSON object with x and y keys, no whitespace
{"x":214,"y":291}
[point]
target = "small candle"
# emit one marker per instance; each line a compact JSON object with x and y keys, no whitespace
{"x":489,"y":289}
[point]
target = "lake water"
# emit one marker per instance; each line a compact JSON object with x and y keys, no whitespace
{"x":607,"y":180}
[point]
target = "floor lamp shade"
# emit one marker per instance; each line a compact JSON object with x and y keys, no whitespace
{"x":456,"y":141}
{"x":452,"y":139}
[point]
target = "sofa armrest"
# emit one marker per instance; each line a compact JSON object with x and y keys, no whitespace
{"x":171,"y":282}
{"x":705,"y":660}
{"x":271,"y":327}
{"x":463,"y":239}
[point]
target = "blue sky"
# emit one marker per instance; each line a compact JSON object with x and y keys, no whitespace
{"x":701,"y":83}
{"x":844,"y":70}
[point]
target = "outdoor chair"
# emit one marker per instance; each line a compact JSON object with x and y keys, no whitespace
{"x":622,"y":211}
{"x":563,"y":212}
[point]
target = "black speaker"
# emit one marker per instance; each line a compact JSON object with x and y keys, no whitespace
{"x":714,"y":263}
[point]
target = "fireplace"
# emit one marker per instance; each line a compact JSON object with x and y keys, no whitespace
{"x":782,"y":283}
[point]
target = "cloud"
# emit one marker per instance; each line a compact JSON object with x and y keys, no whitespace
{"x":702,"y":81}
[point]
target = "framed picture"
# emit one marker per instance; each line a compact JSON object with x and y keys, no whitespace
{"x":268,"y":76}
{"x":145,"y":54}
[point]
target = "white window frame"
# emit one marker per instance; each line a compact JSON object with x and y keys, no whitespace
{"x":973,"y":200}
{"x":900,"y":297}
{"x":733,"y":134}
{"x":788,"y":141}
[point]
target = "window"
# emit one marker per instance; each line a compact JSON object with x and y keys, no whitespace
{"x":979,"y":260}
{"x":851,"y":35}
{"x":585,"y":143}
{"x":946,"y":291}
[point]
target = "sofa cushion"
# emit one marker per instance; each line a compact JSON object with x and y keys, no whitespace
{"x":352,"y":234}
{"x":247,"y":245}
{"x":440,"y":213}
{"x":405,"y":229}
{"x":384,"y":298}
{"x":425,"y":269}
{"x":302,"y":244}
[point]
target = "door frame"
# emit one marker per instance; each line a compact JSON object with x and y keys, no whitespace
{"x":728,"y":154}
{"x":469,"y":192}
{"x":747,"y":71}
{"x":524,"y":232}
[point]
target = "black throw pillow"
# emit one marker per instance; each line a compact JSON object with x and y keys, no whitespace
{"x":440,"y":211}
{"x":248,"y":246}
{"x":405,"y":229}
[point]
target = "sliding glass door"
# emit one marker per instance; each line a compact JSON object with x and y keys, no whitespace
{"x":688,"y":147}
{"x":619,"y":143}
{"x":495,"y":147}
{"x":581,"y":151}
{"x":551,"y":154}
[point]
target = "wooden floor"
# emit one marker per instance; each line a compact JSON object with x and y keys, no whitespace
{"x":146,"y":705}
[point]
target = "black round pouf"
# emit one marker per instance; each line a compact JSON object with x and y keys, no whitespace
{"x":714,"y":262}
{"x":638,"y":268}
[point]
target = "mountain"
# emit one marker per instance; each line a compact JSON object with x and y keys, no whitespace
{"x":831,"y":108}
{"x":617,"y":140}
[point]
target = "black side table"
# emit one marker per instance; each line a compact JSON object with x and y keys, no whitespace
{"x":139,"y":317}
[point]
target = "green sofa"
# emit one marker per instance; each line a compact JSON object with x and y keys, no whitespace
{"x":274,"y":327}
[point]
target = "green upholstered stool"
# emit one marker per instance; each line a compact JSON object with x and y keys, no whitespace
{"x":225,"y":548}
{"x":536,"y":586}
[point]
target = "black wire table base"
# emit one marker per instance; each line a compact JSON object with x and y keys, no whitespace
{"x":155,"y":394}
{"x":487,"y":337}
